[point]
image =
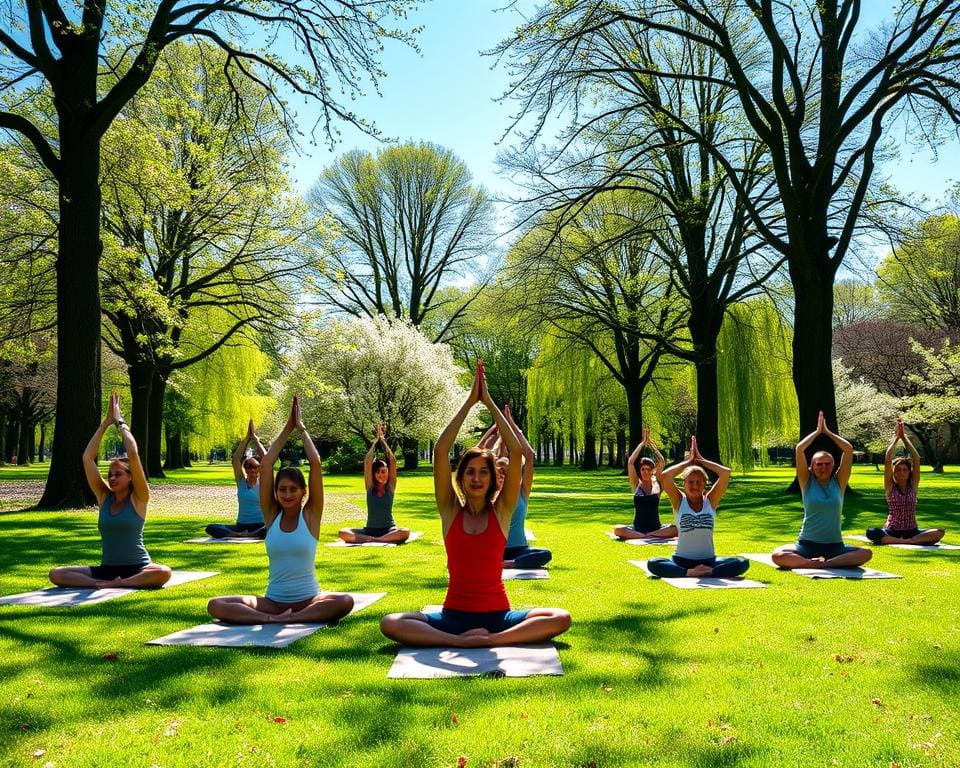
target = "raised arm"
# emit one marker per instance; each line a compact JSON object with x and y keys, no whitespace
{"x":526,"y":450}
{"x":657,"y":456}
{"x":719,"y":486}
{"x":268,"y":504}
{"x":900,"y":436}
{"x":510,"y":491}
{"x":632,"y":464}
{"x":391,"y":459}
{"x":96,"y":482}
{"x":138,"y":478}
{"x":846,"y":457}
{"x":669,"y":487}
{"x":803,"y":468}
{"x":368,"y":460}
{"x":237,"y":459}
{"x":313,"y":509}
{"x":443,"y":491}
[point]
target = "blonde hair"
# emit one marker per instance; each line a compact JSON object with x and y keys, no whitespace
{"x":694,"y":469}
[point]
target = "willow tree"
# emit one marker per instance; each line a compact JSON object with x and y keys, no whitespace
{"x":816,"y":89}
{"x":330,"y":48}
{"x":757,"y":400}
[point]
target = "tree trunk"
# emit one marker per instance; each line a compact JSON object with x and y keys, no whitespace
{"x":154,"y":459}
{"x":621,"y":448}
{"x":78,"y":290}
{"x":23,"y":444}
{"x":13,"y":438}
{"x":589,"y":446}
{"x":141,"y":375}
{"x":43,"y":442}
{"x":186,"y":457}
{"x":611,"y":453}
{"x":174,"y":449}
{"x":708,"y":436}
{"x":557,"y":450}
{"x":32,"y":442}
{"x":411,"y":455}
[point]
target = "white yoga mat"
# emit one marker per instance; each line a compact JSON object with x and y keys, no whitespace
{"x":522,"y":574}
{"x":414,"y":535}
{"x":69,"y":597}
{"x":701,"y":582}
{"x":824,"y":573}
{"x":641,"y":542}
{"x":211,"y":540}
{"x":528,"y":535}
{"x":936,"y":546}
{"x":222,"y":635}
{"x":505,"y":661}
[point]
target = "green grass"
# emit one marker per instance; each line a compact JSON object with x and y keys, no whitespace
{"x":803,"y":673}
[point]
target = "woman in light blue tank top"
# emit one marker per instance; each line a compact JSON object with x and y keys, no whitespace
{"x":292,"y":515}
{"x":820,"y":543}
{"x":695,"y":515}
{"x":246,"y":474}
{"x":123,"y":498}
{"x":380,"y":483}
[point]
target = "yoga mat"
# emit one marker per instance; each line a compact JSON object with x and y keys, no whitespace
{"x":414,"y":535}
{"x":69,"y":597}
{"x":504,"y":661}
{"x":523,"y":574}
{"x":640,"y":542}
{"x":211,"y":540}
{"x":824,"y":573}
{"x":903,"y":546}
{"x":701,"y":582}
{"x":528,"y":535}
{"x":222,"y":635}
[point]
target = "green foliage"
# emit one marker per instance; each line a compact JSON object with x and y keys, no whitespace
{"x":758,"y":405}
{"x":347,"y":458}
{"x":865,"y":416}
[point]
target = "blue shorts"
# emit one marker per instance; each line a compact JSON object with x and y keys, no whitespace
{"x":458,"y":622}
{"x":111,"y":572}
{"x":826,"y":550}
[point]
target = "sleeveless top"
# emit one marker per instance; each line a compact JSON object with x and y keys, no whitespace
{"x":292,"y":574}
{"x":695,"y":530}
{"x":821,"y":512}
{"x":121,"y":535}
{"x":902,"y":509}
{"x":517,"y":535}
{"x":646,"y":510}
{"x":248,"y":503}
{"x":475,"y":565}
{"x":380,"y":509}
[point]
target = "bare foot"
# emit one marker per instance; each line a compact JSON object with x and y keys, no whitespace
{"x":474,"y":638}
{"x":109,"y":583}
{"x":700,"y":570}
{"x":281,"y":618}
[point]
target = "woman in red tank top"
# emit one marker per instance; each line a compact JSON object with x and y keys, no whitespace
{"x":475,"y":519}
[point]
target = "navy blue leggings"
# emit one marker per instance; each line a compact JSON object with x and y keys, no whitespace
{"x":527,"y":557}
{"x":255,"y":530}
{"x":723,"y":567}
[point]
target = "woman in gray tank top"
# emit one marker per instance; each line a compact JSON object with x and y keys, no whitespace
{"x":122,"y":499}
{"x":291,"y":515}
{"x":380,"y":484}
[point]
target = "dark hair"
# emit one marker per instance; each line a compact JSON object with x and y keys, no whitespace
{"x":902,"y":460}
{"x":251,"y":462}
{"x":377,"y":463}
{"x":465,"y":458}
{"x":646,"y":460}
{"x":293,"y":474}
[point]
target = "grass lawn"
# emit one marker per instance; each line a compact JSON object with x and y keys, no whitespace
{"x":802,"y":673}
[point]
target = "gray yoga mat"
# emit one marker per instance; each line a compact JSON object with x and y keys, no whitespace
{"x":211,"y":540}
{"x":701,"y":582}
{"x":505,"y":661}
{"x":641,"y":542}
{"x":824,"y":573}
{"x":414,"y":535}
{"x":69,"y":597}
{"x":939,"y":545}
{"x":523,"y":574}
{"x":221,"y":635}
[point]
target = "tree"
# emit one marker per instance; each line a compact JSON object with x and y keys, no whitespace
{"x":864,"y":414}
{"x":591,"y":283}
{"x":854,"y":301}
{"x":617,"y":138}
{"x":920,"y":279}
{"x":62,"y":47}
{"x":934,"y":409}
{"x":202,"y":231}
{"x":816,"y":94}
{"x":355,"y":373}
{"x":403,"y":224}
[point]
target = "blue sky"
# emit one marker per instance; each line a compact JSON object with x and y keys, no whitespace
{"x":447,"y":96}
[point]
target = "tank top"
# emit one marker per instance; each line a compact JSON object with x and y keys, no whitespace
{"x":695,"y":530}
{"x":248,"y":503}
{"x":821,"y":512}
{"x":475,"y":565}
{"x":646,"y":510}
{"x":517,"y":535}
{"x":292,"y":574}
{"x":902,"y":509}
{"x":380,"y":509}
{"x":121,"y":535}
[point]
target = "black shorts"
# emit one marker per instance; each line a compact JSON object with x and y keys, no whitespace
{"x":826,"y":550}
{"x":902,"y":534}
{"x":375,"y":532}
{"x":110,"y":572}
